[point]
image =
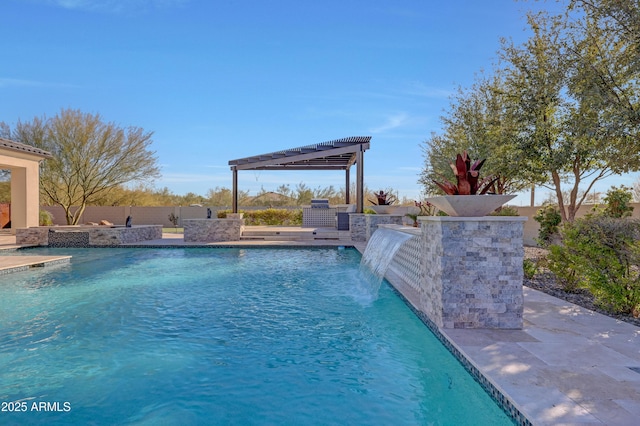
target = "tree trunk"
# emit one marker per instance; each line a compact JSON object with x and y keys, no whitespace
{"x":78,"y":214}
{"x":558,"y":187}
{"x":73,"y":218}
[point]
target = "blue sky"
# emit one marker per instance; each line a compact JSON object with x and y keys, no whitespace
{"x":217,"y":80}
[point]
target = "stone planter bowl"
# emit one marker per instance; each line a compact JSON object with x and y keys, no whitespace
{"x":469,"y":205}
{"x":382,"y":209}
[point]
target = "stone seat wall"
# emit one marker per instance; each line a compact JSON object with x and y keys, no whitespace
{"x":86,"y":236}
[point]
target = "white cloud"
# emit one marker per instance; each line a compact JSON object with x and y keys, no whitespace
{"x":72,"y":4}
{"x":422,"y":90}
{"x":115,"y":6}
{"x":391,"y":122}
{"x":15,"y":82}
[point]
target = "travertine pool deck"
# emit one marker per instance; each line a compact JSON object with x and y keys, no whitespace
{"x":567,"y":366}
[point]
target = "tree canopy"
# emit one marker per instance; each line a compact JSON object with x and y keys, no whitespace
{"x":562,"y":109}
{"x":477,"y":122}
{"x":90,"y":158}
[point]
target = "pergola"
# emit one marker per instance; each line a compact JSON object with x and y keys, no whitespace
{"x":339,"y":154}
{"x":24,"y":163}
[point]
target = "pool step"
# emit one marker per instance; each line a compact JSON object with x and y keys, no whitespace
{"x":11,"y":264}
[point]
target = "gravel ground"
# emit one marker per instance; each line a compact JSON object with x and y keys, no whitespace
{"x":547,"y":283}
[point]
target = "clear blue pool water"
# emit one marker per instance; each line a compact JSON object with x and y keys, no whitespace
{"x":223,"y":336}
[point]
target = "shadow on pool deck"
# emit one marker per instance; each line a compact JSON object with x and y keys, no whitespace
{"x":568,"y":365}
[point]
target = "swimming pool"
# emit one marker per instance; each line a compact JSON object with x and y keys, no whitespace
{"x":222,"y":336}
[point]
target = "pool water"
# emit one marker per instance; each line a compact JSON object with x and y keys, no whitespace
{"x":222,"y":336}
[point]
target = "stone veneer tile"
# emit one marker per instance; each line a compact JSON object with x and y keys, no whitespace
{"x":472,"y":271}
{"x":212,"y":230}
{"x":86,"y":236}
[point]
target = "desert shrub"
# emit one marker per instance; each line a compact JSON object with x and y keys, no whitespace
{"x":282,"y":217}
{"x":530,"y":268}
{"x":562,"y":262}
{"x":617,"y":202}
{"x":506,"y":211}
{"x":601,"y":254}
{"x":549,"y":219}
{"x":46,"y":218}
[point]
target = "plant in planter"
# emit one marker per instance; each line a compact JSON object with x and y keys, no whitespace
{"x":468,"y":180}
{"x":478,"y":198}
{"x":424,"y":208}
{"x":382,"y":202}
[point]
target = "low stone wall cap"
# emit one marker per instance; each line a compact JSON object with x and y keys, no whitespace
{"x":474,"y":219}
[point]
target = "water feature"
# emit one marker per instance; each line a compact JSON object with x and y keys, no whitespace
{"x":222,"y":336}
{"x":378,"y":254}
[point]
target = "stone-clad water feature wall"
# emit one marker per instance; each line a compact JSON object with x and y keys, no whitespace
{"x":362,"y":226}
{"x":463,"y":272}
{"x":212,"y":230}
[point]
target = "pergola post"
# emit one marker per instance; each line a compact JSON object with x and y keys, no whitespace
{"x":347,"y":185}
{"x":234,"y":195}
{"x":360,"y":182}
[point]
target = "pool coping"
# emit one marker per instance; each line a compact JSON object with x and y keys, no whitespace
{"x":568,"y":365}
{"x":13,"y":264}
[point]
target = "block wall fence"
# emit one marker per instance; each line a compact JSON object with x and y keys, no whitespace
{"x":160,"y":215}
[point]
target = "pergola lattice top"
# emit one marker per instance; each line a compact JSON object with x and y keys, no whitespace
{"x":339,"y":154}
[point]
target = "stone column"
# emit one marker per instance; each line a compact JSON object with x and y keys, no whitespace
{"x":212,"y":230}
{"x":472,"y":271}
{"x":358,"y":227}
{"x":373,"y":220}
{"x":362,"y":226}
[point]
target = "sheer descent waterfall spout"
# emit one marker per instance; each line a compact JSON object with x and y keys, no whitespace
{"x":382,"y":246}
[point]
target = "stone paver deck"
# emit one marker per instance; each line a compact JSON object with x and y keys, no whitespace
{"x":567,"y":366}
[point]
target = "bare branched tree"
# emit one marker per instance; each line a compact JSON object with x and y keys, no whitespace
{"x":90,"y":158}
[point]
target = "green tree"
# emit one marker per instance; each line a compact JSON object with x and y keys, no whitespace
{"x":220,"y":196}
{"x":192,"y":198}
{"x":478,"y":121}
{"x":137,"y":195}
{"x":605,"y":43}
{"x":549,"y":219}
{"x":285,"y":190}
{"x":90,"y":158}
{"x":565,"y":132}
{"x":328,"y":192}
{"x":303,"y":194}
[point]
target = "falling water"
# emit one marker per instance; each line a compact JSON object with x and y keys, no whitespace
{"x":378,"y":254}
